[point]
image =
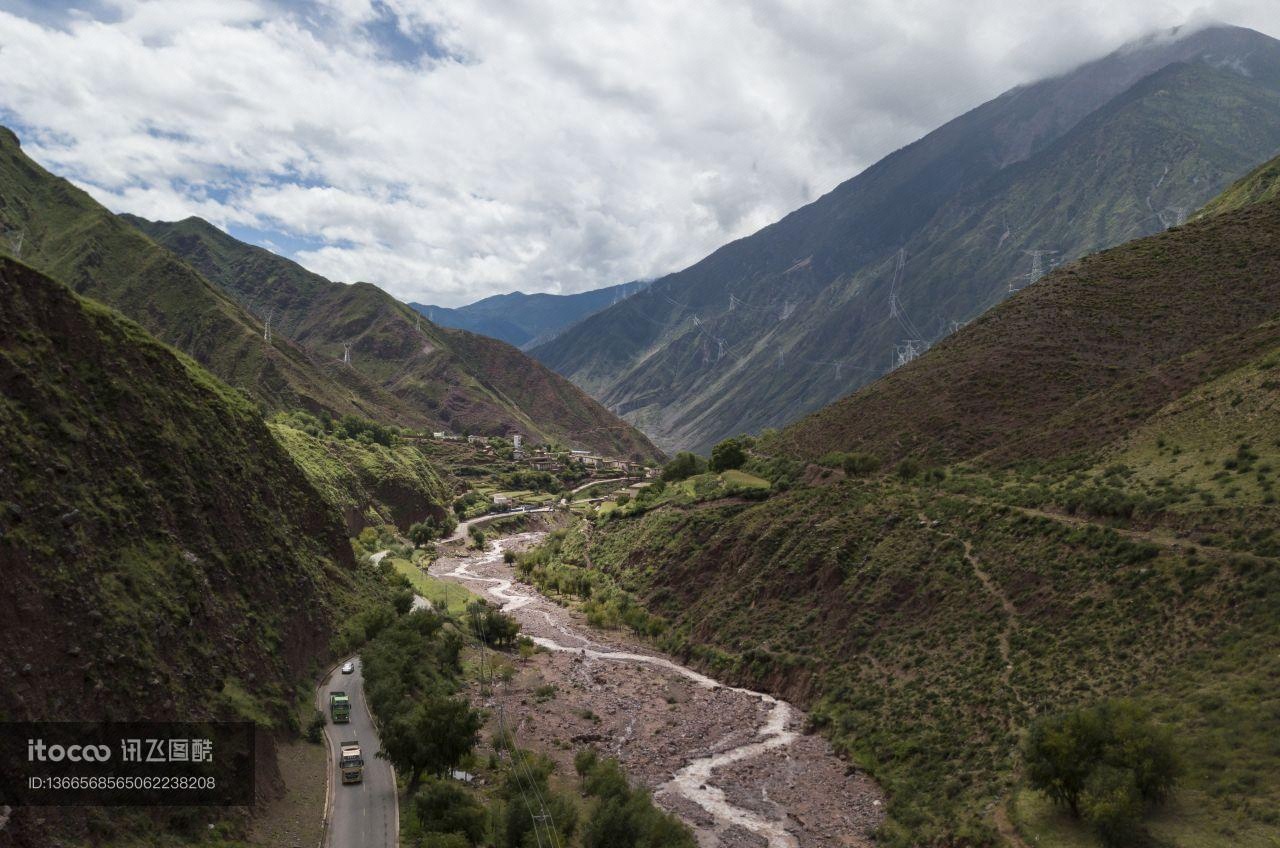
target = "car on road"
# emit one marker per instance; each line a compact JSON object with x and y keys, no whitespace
{"x":348,"y":667}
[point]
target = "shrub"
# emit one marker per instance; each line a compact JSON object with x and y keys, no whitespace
{"x":860,"y":464}
{"x":315,"y":728}
{"x":444,"y":807}
{"x":683,"y":466}
{"x":1103,"y":763}
{"x":728,"y":455}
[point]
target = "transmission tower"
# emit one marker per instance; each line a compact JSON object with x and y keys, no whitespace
{"x":346,"y":353}
{"x":955,"y":326}
{"x":907,"y":351}
{"x":1037,"y":267}
{"x":894,"y":307}
{"x":15,"y":242}
{"x":266,"y":328}
{"x":1179,"y":214}
{"x":787,"y":309}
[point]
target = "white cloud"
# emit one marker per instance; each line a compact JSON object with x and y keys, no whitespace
{"x":448,"y":149}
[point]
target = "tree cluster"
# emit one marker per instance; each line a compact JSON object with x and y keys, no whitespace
{"x":1107,"y":764}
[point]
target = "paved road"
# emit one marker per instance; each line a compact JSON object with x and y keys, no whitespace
{"x":591,"y":483}
{"x":363,"y":815}
{"x":460,"y":532}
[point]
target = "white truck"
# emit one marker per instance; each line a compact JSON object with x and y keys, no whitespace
{"x":351,"y":763}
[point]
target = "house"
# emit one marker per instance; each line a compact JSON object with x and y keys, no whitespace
{"x":501,"y":500}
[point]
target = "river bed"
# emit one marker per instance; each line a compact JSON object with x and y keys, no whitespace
{"x":734,"y":764}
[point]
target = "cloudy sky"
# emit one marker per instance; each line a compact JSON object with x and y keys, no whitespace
{"x":452,"y":149}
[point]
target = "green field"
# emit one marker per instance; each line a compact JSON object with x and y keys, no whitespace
{"x":441,"y":593}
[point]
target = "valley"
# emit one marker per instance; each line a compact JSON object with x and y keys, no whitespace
{"x":736,"y":765}
{"x":941,"y":512}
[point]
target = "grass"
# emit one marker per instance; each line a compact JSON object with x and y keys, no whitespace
{"x":441,"y":593}
{"x":844,"y":598}
{"x":369,"y":484}
{"x":142,"y":490}
{"x":1187,"y":822}
{"x":743,"y":479}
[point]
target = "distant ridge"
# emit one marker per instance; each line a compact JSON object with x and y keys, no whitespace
{"x":527,"y":320}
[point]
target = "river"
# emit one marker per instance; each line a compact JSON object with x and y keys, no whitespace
{"x":734,"y":764}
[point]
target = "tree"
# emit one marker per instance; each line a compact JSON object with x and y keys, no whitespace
{"x":1110,"y":803}
{"x":442,"y":806}
{"x":434,"y":736}
{"x":1104,"y":763}
{"x":728,"y":455}
{"x":682,"y":467}
{"x":403,"y":601}
{"x":432,"y":527}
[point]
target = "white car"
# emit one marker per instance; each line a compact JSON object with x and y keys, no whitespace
{"x":348,"y":667}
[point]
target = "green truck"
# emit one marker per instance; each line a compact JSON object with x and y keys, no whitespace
{"x":340,"y":707}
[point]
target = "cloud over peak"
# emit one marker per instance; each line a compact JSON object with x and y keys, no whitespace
{"x":449,"y":150}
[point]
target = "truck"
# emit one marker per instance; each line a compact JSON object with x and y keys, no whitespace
{"x":340,"y":707}
{"x":351,"y":763}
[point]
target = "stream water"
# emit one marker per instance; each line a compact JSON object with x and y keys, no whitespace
{"x":766,"y":821}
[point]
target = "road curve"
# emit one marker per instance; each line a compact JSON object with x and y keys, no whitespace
{"x":362,"y":815}
{"x":460,"y":532}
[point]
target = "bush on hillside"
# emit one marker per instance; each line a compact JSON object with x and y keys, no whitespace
{"x":1104,"y":763}
{"x":728,"y":455}
{"x":683,"y":466}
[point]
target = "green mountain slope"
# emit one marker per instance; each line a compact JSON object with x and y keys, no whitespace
{"x":162,"y":556}
{"x":1263,"y":183}
{"x":1078,"y":502}
{"x":526,"y":320}
{"x":455,"y":379}
{"x":785,"y":321}
{"x":58,"y":229}
{"x":369,"y":483}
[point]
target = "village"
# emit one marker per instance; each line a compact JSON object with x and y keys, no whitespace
{"x":504,"y":473}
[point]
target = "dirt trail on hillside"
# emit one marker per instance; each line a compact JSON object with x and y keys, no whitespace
{"x":733,"y":764}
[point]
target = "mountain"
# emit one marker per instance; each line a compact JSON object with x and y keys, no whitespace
{"x":164,"y":558}
{"x":837,"y":293}
{"x":453,"y":379}
{"x":1076,"y":501}
{"x":527,"y":320}
{"x":1042,"y":376}
{"x":58,"y":229}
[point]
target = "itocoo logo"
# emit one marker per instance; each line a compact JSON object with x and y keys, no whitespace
{"x":39,"y":752}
